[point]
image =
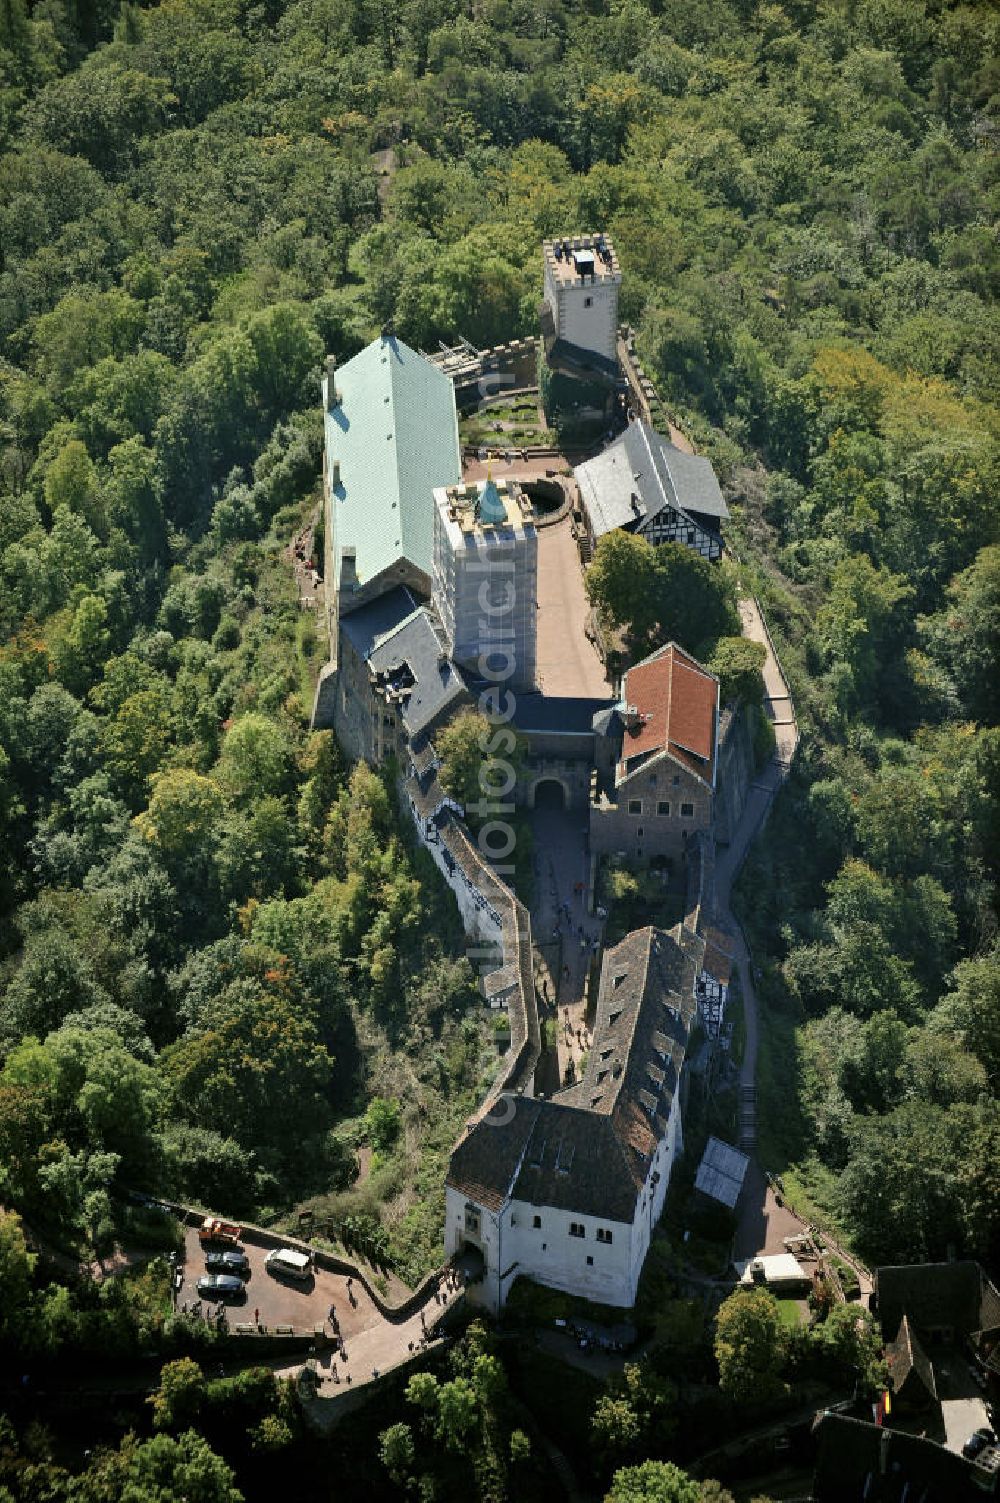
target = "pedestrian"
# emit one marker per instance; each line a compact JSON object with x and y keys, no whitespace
{"x":333,"y":1315}
{"x":256,"y":1318}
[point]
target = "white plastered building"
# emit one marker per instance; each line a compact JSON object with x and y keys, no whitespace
{"x":567,"y":1191}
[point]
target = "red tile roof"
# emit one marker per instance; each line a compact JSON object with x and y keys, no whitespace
{"x":676,"y":699}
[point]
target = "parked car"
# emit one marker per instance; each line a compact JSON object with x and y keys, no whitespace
{"x":221,"y":1286}
{"x":288,"y":1263}
{"x":978,"y":1441}
{"x":232,"y":1261}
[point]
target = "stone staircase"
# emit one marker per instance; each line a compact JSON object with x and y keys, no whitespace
{"x":748,"y":1118}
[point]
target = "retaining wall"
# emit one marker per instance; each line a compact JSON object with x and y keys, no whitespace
{"x":261,"y":1236}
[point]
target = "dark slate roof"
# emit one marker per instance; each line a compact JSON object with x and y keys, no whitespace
{"x":608,"y":722}
{"x":858,"y":1462}
{"x":907,"y":1359}
{"x":412,"y":661}
{"x":575,"y":1161}
{"x":589,"y":1149}
{"x":641,"y":463}
{"x":540,"y":712}
{"x":934,"y":1295}
{"x":364,"y":626}
{"x":721,"y":1171}
{"x":486,"y":1161}
{"x":645,"y":1009}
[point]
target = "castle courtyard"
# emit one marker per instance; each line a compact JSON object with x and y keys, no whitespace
{"x":568,"y":665}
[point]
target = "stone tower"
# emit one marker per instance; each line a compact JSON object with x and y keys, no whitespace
{"x":581,"y":282}
{"x":485,"y":579}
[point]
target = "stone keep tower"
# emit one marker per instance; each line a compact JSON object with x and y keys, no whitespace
{"x":582,"y":278}
{"x":485,"y":574}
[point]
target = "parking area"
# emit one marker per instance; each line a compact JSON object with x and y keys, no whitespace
{"x":279,"y":1303}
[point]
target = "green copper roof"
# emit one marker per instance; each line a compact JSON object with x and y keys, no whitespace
{"x":394,"y":434}
{"x":490,"y":509}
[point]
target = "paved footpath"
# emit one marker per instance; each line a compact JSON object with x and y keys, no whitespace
{"x":729,"y":859}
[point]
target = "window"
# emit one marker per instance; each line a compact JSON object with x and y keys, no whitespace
{"x":639,"y":832}
{"x":590,"y":1261}
{"x":603,"y":1234}
{"x":677,"y":780}
{"x":588,"y":302}
{"x":472,"y":1221}
{"x":635,"y":806}
{"x":663,"y":808}
{"x":576,"y":1229}
{"x":687,"y":811}
{"x":536,"y":1221}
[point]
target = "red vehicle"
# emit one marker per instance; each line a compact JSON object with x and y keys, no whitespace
{"x":214,"y":1230}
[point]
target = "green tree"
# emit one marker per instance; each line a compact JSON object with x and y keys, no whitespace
{"x":256,"y":759}
{"x":738,"y":664}
{"x":257,"y":1065}
{"x":382,"y":1123}
{"x":972,"y":1008}
{"x":965,"y":636}
{"x":184,"y":814}
{"x":397,"y":1452}
{"x":663,"y":592}
{"x":749,"y":1345}
{"x":622,"y":583}
{"x":653,"y":1482}
{"x":180,"y":1395}
{"x":480,"y":762}
{"x":17,"y":1267}
{"x":860,"y":622}
{"x":71,"y":481}
{"x":160,"y":1470}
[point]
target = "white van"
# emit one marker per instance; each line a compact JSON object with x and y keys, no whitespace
{"x":286,"y":1263}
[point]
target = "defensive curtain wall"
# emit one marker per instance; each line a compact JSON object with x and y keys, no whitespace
{"x":490,"y":912}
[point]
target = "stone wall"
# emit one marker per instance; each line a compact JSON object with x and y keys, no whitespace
{"x":648,"y":833}
{"x":735,"y":769}
{"x":490,"y":913}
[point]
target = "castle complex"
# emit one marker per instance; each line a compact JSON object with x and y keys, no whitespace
{"x":439,"y":590}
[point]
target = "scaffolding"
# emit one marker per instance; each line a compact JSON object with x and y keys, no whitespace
{"x":461,"y":361}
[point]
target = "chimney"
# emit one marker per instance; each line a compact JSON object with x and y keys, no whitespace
{"x":332,"y":394}
{"x":335,"y":474}
{"x":348,"y":570}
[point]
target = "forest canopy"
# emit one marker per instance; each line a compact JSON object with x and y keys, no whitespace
{"x":198,"y":200}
